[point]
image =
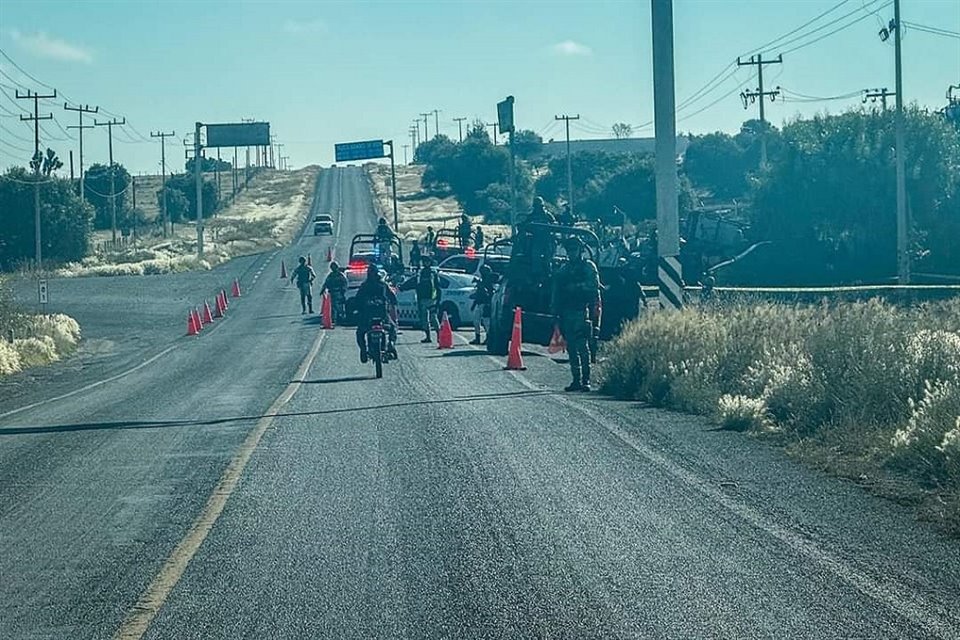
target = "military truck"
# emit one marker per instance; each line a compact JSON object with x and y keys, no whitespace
{"x":536,"y":255}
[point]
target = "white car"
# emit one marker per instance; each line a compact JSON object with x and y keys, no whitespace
{"x":470,"y":264}
{"x":455,"y":292}
{"x":323,"y":223}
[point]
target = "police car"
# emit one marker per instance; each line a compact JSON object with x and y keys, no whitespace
{"x":456,"y":289}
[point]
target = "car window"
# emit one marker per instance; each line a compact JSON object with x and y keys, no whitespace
{"x":444,"y":282}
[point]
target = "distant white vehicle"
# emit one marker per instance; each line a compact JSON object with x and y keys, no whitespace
{"x":323,"y":224}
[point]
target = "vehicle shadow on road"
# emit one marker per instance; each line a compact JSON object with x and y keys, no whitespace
{"x":335,"y":380}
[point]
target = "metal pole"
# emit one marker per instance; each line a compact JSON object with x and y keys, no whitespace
{"x":513,"y":185}
{"x":198,"y":173}
{"x":903,"y":255}
{"x":763,"y":131}
{"x":668,"y":225}
{"x":393,"y":183}
{"x":569,"y":169}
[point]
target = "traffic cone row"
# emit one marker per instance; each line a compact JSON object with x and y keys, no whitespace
{"x":204,"y":315}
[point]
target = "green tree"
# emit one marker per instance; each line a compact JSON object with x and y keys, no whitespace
{"x":185,"y":183}
{"x":526,"y":144}
{"x":434,"y":150}
{"x":831,"y":193}
{"x":97,"y":187}
{"x":178,"y":207}
{"x":622,"y":130}
{"x":65,"y":221}
{"x":632,"y":189}
{"x":717,"y":163}
{"x":590,"y":170}
{"x":209,"y":165}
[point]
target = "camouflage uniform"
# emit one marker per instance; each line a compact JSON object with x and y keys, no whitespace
{"x":576,"y":291}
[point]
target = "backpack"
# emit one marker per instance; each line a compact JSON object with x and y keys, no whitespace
{"x":427,"y":285}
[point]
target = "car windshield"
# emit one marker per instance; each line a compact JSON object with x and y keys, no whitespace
{"x":660,"y":337}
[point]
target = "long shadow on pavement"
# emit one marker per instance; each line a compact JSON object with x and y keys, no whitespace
{"x":158,"y":424}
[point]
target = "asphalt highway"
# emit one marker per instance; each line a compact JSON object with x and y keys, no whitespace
{"x":257,"y":482}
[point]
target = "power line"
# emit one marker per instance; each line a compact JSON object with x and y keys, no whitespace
{"x":837,"y":30}
{"x":934,"y":30}
{"x":806,"y":24}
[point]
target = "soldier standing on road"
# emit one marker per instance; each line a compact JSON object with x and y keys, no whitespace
{"x":482,"y":296}
{"x":427,"y":286}
{"x":429,"y":240}
{"x":304,"y":276}
{"x":576,"y":291}
{"x":478,"y":238}
{"x":464,"y":231}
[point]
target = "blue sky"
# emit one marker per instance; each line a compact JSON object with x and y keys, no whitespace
{"x":326,"y":72}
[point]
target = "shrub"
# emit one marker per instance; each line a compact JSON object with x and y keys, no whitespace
{"x":742,"y":413}
{"x":35,"y":352}
{"x":9,"y":359}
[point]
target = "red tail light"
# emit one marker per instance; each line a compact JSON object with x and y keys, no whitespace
{"x":441,"y":242}
{"x":471,"y":252}
{"x":357,"y":265}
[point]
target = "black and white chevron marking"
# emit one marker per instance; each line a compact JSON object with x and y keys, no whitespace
{"x":669,"y":274}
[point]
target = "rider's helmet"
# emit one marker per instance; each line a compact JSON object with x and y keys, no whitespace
{"x":302,"y":260}
{"x":383,"y":222}
{"x":373,"y":271}
{"x":334,"y":266}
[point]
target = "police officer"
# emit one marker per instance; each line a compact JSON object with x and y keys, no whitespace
{"x":427,"y":287}
{"x":539,"y":213}
{"x":464,"y":231}
{"x":415,"y":255}
{"x":304,"y":276}
{"x":478,"y":239}
{"x":576,"y":292}
{"x":482,"y":295}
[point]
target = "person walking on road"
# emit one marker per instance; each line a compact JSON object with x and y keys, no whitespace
{"x":482,"y":296}
{"x":304,"y":275}
{"x":427,"y":285}
{"x":336,"y":284}
{"x":576,"y":291}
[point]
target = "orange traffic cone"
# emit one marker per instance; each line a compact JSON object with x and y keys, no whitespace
{"x":557,"y":343}
{"x":445,"y":334}
{"x":223,"y":295}
{"x":326,"y":310}
{"x":207,"y":316}
{"x":236,"y":288}
{"x":198,"y":320}
{"x":218,"y":307}
{"x":309,"y":260}
{"x":283,"y":270}
{"x":329,"y":254}
{"x":192,"y":329}
{"x":514,"y":358}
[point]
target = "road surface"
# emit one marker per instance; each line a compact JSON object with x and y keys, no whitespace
{"x":255,"y":482}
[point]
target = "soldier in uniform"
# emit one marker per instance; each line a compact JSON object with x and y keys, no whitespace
{"x":576,"y":292}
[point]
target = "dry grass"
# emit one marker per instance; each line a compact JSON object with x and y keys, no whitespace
{"x":265,"y":215}
{"x":863,"y":389}
{"x":417,"y":210}
{"x":39,"y":340}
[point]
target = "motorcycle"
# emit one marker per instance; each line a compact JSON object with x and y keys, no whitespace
{"x":377,"y":348}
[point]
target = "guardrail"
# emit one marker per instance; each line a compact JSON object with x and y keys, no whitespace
{"x":897,"y":294}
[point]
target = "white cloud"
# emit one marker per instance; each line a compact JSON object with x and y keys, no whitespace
{"x":42,"y":45}
{"x":571,"y":48}
{"x":304,"y":26}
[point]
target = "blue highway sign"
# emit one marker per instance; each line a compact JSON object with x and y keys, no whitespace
{"x":363,"y":150}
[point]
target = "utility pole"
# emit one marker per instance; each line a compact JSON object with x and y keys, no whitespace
{"x":426,"y":130}
{"x":393,"y":183}
{"x":273,"y":140}
{"x":903,"y":225}
{"x":198,"y":176}
{"x":436,"y":121}
{"x":873,"y":94}
{"x":405,"y":147}
{"x":167,"y":227}
{"x":459,"y":122}
{"x":71,"y":165}
{"x":37,"y":162}
{"x":752,"y":96}
{"x":113,"y":196}
{"x":416,"y":142}
{"x":494,"y":125}
{"x":234,"y":172}
{"x":413,"y":142}
{"x":567,"y":120}
{"x":669,"y":271}
{"x":81,"y":109}
{"x":279,"y":146}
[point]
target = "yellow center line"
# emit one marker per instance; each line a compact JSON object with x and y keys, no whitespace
{"x":140,"y":617}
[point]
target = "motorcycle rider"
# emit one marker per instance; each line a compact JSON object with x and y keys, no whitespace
{"x":372,"y":300}
{"x":336,"y":284}
{"x":382,"y":235}
{"x":304,"y":275}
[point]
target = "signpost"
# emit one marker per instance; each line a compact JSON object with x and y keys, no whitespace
{"x":241,"y":134}
{"x":505,"y":122}
{"x":42,"y":293}
{"x":368,"y":150}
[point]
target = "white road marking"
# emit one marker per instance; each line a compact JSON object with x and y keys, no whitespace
{"x":896,"y":597}
{"x":140,"y":617}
